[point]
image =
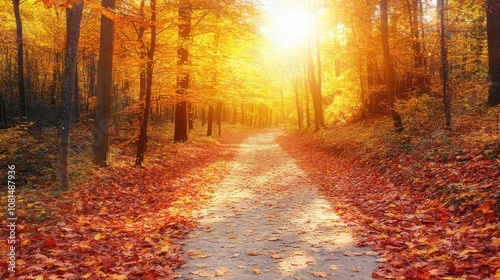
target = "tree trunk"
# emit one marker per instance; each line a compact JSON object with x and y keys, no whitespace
{"x":203,"y":118}
{"x":444,"y":66}
{"x":143,"y":135}
{"x":181,"y":122}
{"x":218,"y":115}
{"x":297,"y":100}
{"x":306,"y":96}
{"x":20,"y":60}
{"x":143,"y":54}
{"x":493,"y":32}
{"x":389,"y":68}
{"x":73,"y":19}
{"x":210,"y":120}
{"x":242,"y":114}
{"x":104,"y":84}
{"x":190,"y":115}
{"x":321,"y":116}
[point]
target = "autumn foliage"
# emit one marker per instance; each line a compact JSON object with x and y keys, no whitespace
{"x":427,"y":202}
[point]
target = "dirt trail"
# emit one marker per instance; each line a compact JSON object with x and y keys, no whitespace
{"x":268,"y":221}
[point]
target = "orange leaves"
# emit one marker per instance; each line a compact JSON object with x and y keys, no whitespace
{"x":422,"y":224}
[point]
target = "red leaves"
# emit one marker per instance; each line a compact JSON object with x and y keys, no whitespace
{"x":428,"y":217}
{"x":123,"y":222}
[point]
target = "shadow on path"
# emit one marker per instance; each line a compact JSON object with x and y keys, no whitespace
{"x":268,"y":221}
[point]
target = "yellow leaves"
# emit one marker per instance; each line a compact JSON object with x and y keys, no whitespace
{"x":432,"y":250}
{"x":220,"y":271}
{"x":193,"y":254}
{"x":98,"y":236}
{"x":256,"y":271}
{"x":105,"y":11}
{"x":497,"y":274}
{"x":467,"y":251}
{"x":383,"y":235}
{"x":201,"y":272}
{"x":165,"y":248}
{"x":233,"y":236}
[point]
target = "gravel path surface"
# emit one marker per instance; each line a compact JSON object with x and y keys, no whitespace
{"x":268,"y":221}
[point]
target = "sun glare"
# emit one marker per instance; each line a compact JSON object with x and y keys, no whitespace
{"x":291,"y":27}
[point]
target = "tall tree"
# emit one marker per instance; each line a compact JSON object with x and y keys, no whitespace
{"x":143,"y":135}
{"x":181,"y":121}
{"x":20,"y":60}
{"x":104,"y":85}
{"x":315,"y":81}
{"x":444,"y":65}
{"x":493,"y":31}
{"x":389,"y":67}
{"x":73,"y":19}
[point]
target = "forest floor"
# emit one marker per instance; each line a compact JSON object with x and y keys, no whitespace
{"x":267,"y":220}
{"x":427,"y":200}
{"x":118,"y":222}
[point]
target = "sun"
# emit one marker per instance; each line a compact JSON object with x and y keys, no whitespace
{"x":291,"y":27}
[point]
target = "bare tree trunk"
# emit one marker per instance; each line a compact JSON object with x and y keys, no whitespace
{"x":444,"y":66}
{"x":218,"y":115}
{"x":104,"y":84}
{"x":73,"y":19}
{"x":242,"y":113}
{"x":181,"y":121}
{"x":143,"y":135}
{"x":210,"y":120}
{"x":20,"y":60}
{"x":389,"y":68}
{"x":493,"y":31}
{"x":318,"y":61}
{"x":143,"y":55}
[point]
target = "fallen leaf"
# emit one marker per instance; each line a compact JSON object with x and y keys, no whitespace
{"x":467,"y":251}
{"x":220,"y":271}
{"x":256,"y":271}
{"x":201,"y":272}
{"x":253,"y":253}
{"x":353,"y":254}
{"x":97,"y":236}
{"x":276,"y":256}
{"x":320,"y":274}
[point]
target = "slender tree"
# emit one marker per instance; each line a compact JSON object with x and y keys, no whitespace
{"x":181,"y":121}
{"x":104,"y":85}
{"x":73,"y":19}
{"x":493,"y":32}
{"x":20,"y":60}
{"x":389,"y":67}
{"x":444,"y":65}
{"x":143,"y":135}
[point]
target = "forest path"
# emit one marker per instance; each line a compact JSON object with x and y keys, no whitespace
{"x":267,"y":220}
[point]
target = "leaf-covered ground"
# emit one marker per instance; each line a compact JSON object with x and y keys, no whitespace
{"x":428,"y":202}
{"x":119,"y":222}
